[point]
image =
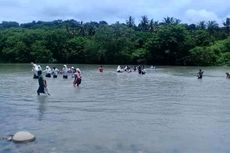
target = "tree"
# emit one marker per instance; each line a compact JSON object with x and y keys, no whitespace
{"x":192,"y":27}
{"x":73,"y":27}
{"x":90,"y":28}
{"x":212,"y":26}
{"x":167,"y":45}
{"x":10,"y":24}
{"x":130,"y":22}
{"x":103,"y":23}
{"x":202,"y":56}
{"x":170,"y":20}
{"x":227,"y":26}
{"x":56,"y":41}
{"x":201,"y":25}
{"x":144,"y":24}
{"x":202,"y":38}
{"x":169,"y":42}
{"x":153,"y":25}
{"x":139,"y":55}
{"x":76,"y":50}
{"x":115,"y":43}
{"x":39,"y":52}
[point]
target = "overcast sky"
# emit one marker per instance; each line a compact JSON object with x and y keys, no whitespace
{"x":189,"y":11}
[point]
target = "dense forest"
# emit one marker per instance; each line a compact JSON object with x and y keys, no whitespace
{"x":168,"y":42}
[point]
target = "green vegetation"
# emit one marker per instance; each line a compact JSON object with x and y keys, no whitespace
{"x":169,"y":42}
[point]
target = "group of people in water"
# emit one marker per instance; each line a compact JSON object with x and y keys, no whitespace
{"x":76,"y":74}
{"x":37,"y":70}
{"x":200,"y":74}
{"x":140,"y":69}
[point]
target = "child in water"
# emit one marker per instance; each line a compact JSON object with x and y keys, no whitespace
{"x":77,"y":78}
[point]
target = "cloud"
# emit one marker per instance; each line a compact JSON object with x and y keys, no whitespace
{"x":113,"y":10}
{"x":9,"y":4}
{"x":194,"y":16}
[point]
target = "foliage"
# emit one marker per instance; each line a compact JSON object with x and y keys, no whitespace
{"x":216,"y":54}
{"x":150,"y":42}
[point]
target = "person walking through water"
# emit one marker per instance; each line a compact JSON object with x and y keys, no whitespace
{"x":48,"y":71}
{"x":77,"y":78}
{"x":55,"y":72}
{"x":141,"y":69}
{"x":42,"y":84}
{"x":100,"y":68}
{"x":35,"y":70}
{"x":200,"y":74}
{"x":227,"y":75}
{"x":65,"y":72}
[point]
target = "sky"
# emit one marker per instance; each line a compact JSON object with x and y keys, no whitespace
{"x":188,"y":11}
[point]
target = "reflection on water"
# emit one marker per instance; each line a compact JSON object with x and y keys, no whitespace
{"x":166,"y":110}
{"x":42,"y":100}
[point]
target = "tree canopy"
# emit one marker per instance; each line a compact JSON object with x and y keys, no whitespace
{"x":168,"y":42}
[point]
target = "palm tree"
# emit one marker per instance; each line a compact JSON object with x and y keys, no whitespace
{"x":153,"y":25}
{"x":192,"y":27}
{"x":81,"y":29}
{"x":227,"y":25}
{"x":130,"y":22}
{"x":212,"y":26}
{"x":171,"y":20}
{"x":201,"y":25}
{"x":144,"y":24}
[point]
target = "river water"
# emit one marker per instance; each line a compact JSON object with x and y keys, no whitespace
{"x":167,"y":110}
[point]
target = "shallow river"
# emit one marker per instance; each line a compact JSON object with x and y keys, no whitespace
{"x":167,"y":110}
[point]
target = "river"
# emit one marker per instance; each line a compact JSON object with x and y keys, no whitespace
{"x":167,"y":110}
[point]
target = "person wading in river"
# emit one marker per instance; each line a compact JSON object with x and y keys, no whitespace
{"x":227,"y":75}
{"x":77,"y":78}
{"x":42,"y":84}
{"x":200,"y":74}
{"x":100,"y":68}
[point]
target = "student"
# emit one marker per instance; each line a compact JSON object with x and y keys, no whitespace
{"x":77,"y":79}
{"x":200,"y":74}
{"x":55,"y":72}
{"x":39,"y":68}
{"x":127,"y":69}
{"x":134,"y":68}
{"x":46,"y":87}
{"x":42,"y":84}
{"x":143,"y":70}
{"x":227,"y":75}
{"x":119,"y":69}
{"x":139,"y":69}
{"x":100,"y":68}
{"x":73,"y":70}
{"x":65,"y":72}
{"x":48,"y":72}
{"x":35,"y":70}
{"x":41,"y":88}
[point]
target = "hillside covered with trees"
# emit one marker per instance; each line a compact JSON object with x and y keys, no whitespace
{"x":168,"y":42}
